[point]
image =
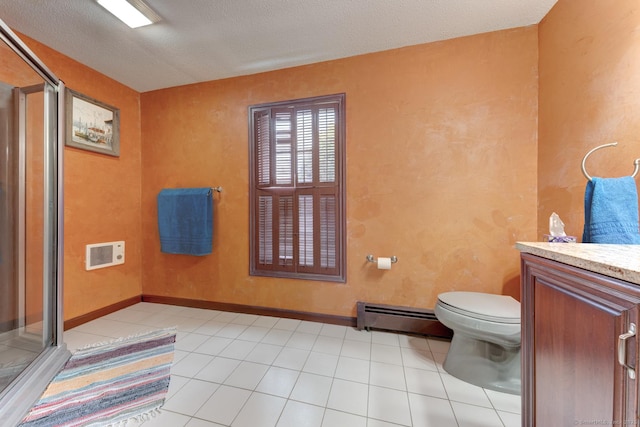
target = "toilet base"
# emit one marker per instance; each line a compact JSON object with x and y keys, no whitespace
{"x":484,"y":364}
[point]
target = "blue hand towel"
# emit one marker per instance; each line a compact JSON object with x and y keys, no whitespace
{"x":611,"y":211}
{"x":185,"y":220}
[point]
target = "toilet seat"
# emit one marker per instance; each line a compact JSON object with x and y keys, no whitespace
{"x":486,"y":342}
{"x":489,"y":307}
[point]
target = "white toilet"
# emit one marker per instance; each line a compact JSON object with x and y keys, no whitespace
{"x":485,"y":348}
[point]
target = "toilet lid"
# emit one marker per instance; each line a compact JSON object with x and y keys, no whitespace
{"x":492,"y":307}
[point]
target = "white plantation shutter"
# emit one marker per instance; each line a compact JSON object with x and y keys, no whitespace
{"x":297,"y":184}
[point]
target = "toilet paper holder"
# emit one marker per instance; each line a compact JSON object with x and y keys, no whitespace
{"x":370,"y":258}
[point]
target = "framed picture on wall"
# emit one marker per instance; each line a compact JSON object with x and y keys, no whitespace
{"x":91,"y":124}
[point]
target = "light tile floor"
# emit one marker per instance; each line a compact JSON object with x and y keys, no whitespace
{"x":244,"y":370}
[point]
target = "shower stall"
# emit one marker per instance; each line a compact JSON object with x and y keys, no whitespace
{"x":31,"y":135}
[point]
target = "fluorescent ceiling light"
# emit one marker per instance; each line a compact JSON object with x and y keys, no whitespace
{"x":130,"y":15}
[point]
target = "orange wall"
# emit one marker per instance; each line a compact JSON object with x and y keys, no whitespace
{"x":444,"y":162}
{"x":441,"y":172}
{"x":102,"y":194}
{"x":589,"y":96}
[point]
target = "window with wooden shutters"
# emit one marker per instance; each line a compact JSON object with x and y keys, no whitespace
{"x":297,"y":156}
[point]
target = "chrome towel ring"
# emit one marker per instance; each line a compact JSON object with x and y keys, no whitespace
{"x":636,"y":162}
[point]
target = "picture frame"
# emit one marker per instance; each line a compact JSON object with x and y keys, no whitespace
{"x":91,"y":125}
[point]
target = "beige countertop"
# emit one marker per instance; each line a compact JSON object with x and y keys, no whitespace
{"x":619,"y":261}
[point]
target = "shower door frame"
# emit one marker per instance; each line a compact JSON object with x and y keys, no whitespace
{"x":18,"y":397}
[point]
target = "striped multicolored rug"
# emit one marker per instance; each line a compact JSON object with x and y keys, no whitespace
{"x":108,"y":384}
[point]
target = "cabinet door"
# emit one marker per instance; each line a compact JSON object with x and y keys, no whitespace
{"x":572,"y":321}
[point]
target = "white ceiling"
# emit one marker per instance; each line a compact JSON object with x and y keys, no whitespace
{"x":201,"y":40}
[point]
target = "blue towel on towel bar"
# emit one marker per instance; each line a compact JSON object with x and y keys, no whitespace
{"x":611,"y":211}
{"x":185,"y":220}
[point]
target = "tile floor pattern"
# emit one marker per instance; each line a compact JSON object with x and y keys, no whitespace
{"x":244,"y":370}
{"x":16,"y":353}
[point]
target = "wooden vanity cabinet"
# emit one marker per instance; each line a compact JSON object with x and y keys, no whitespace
{"x":573,"y":326}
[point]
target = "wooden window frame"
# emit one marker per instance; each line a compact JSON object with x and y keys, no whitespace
{"x":317,"y":188}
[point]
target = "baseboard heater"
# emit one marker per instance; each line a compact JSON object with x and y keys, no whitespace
{"x":400,"y":319}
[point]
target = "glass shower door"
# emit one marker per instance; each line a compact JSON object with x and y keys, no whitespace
{"x":31,"y":112}
{"x":23,"y":215}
